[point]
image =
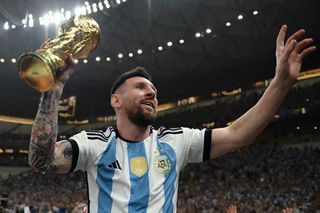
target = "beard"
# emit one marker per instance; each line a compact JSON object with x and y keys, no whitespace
{"x":142,"y":119}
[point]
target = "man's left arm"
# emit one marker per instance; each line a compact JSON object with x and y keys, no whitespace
{"x":289,"y":56}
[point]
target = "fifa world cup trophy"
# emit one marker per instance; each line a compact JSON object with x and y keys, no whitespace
{"x":78,"y":36}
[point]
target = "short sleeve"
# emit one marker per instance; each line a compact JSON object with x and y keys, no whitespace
{"x":85,"y":150}
{"x":190,"y":145}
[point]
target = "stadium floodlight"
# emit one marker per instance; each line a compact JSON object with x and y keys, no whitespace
{"x":13,"y":60}
{"x":130,"y":55}
{"x":181,"y":41}
{"x":57,"y":18}
{"x":208,"y":30}
{"x":2,"y":60}
{"x":31,"y":22}
{"x":255,"y":12}
{"x":169,"y":43}
{"x":240,"y":17}
{"x":77,"y":11}
{"x":13,"y":26}
{"x":46,"y":20}
{"x":68,"y":14}
{"x":120,"y":55}
{"x":228,"y":24}
{"x":94,"y":7}
{"x":198,"y":35}
{"x":108,"y":59}
{"x":100,"y":5}
{"x":6,"y":25}
{"x":97,"y":58}
{"x":139,"y":51}
{"x":85,"y":61}
{"x":160,"y":48}
{"x":118,"y":1}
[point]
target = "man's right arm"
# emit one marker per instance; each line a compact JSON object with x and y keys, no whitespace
{"x":45,"y":153}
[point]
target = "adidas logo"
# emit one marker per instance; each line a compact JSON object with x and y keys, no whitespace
{"x":115,"y":165}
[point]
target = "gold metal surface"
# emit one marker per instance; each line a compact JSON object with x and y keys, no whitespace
{"x":78,"y":36}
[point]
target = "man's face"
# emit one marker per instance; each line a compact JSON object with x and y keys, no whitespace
{"x":138,"y":100}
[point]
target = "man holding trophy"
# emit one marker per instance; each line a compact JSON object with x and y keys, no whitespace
{"x":131,"y":167}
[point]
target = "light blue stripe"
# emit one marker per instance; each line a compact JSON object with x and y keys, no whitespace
{"x":104,"y":177}
{"x":139,"y":196}
{"x":170,"y":177}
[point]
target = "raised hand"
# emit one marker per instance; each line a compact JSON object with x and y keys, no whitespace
{"x":290,"y":54}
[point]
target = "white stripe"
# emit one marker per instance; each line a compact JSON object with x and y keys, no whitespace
{"x":156,"y":188}
{"x":121,"y":180}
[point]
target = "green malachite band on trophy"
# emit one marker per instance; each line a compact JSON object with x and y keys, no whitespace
{"x":78,"y":36}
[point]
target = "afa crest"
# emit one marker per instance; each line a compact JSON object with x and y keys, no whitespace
{"x":161,"y":164}
{"x":138,"y":166}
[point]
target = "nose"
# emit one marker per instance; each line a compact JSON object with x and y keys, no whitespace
{"x":151,"y":93}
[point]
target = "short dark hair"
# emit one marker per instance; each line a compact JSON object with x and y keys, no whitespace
{"x":135,"y":72}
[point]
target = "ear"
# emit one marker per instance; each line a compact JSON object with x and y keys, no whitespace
{"x":115,"y":101}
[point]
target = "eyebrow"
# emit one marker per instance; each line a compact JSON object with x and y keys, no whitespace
{"x":142,"y":82}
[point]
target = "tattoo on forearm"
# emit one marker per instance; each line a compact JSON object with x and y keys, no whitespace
{"x":39,"y":159}
{"x":44,"y":133}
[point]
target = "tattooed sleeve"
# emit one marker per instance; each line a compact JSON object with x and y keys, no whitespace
{"x":44,"y":132}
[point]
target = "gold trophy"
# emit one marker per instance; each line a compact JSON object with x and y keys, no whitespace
{"x":78,"y":36}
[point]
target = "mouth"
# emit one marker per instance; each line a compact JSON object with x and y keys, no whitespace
{"x":149,"y":104}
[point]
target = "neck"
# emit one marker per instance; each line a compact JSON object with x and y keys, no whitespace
{"x":131,"y":131}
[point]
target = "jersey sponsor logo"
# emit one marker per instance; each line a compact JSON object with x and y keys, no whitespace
{"x":115,"y":165}
{"x":161,"y":164}
{"x":138,"y":166}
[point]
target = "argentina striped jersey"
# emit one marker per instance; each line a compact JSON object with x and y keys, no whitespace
{"x":132,"y":177}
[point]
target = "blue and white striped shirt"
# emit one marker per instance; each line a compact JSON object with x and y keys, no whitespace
{"x":132,"y":177}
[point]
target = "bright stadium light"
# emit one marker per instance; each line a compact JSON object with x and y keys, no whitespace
{"x":139,"y":51}
{"x":77,"y":11}
{"x":2,"y":60}
{"x":160,"y":48}
{"x":31,"y":22}
{"x":181,"y":41}
{"x":255,"y":12}
{"x":198,"y":35}
{"x":130,"y":55}
{"x":208,"y":30}
{"x":120,"y":55}
{"x":85,"y":61}
{"x":240,"y":17}
{"x":169,"y":43}
{"x":94,"y":7}
{"x":97,"y":58}
{"x":100,"y":5}
{"x":68,"y":14}
{"x":228,"y":24}
{"x":6,"y":26}
{"x":13,"y":60}
{"x":108,"y":59}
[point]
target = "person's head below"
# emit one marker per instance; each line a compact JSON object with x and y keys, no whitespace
{"x":134,"y":97}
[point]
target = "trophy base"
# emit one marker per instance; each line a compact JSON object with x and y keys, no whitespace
{"x":36,"y":71}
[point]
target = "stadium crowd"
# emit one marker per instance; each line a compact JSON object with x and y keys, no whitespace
{"x":260,"y":178}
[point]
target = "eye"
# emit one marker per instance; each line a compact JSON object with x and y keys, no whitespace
{"x":140,"y":86}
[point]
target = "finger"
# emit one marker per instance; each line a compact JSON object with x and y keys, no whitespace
{"x":281,"y":36}
{"x":306,"y":52}
{"x":288,"y":50}
{"x":303,"y":44}
{"x":296,"y":36}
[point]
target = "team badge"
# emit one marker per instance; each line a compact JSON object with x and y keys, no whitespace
{"x":138,"y":166}
{"x":161,"y":164}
